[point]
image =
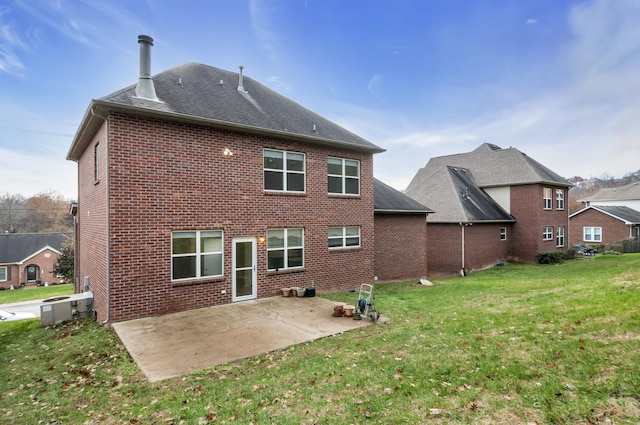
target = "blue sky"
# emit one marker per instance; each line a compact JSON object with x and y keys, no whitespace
{"x":557,"y":79}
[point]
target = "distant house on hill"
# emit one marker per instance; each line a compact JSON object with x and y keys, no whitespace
{"x":628,"y":196}
{"x":201,"y":186}
{"x":28,"y":258}
{"x":491,"y":205}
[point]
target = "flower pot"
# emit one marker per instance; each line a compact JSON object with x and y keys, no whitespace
{"x":286,"y":292}
{"x":356,"y":316}
{"x":301,"y":292}
{"x":348,"y":310}
{"x":311,"y":292}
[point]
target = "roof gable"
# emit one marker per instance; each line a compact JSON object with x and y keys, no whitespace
{"x":210,"y":96}
{"x":16,"y":247}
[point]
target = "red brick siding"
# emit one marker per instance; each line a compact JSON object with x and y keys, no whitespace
{"x":613,"y":229}
{"x":527,"y":208}
{"x":401,"y":246}
{"x":91,"y":219}
{"x":165,"y":177}
{"x":483,"y":247}
{"x":44,"y":260}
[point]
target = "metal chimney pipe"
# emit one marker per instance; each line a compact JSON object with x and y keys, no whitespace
{"x":145,"y":88}
{"x":240,"y":80}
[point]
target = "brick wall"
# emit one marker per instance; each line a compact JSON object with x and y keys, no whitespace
{"x":483,"y":247}
{"x":613,"y":230}
{"x":531,"y":217}
{"x":400,"y":246}
{"x":166,"y":176}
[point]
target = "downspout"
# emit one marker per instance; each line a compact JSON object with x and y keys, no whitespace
{"x":107,"y":214}
{"x":462,"y":271}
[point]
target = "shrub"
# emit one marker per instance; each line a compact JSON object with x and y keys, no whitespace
{"x":551,"y":257}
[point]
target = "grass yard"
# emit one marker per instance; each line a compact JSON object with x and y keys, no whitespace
{"x":520,"y":344}
{"x":34,"y":293}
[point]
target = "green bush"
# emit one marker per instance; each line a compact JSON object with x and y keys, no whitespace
{"x":551,"y":257}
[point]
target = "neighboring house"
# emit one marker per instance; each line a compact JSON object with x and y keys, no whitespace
{"x":491,"y":205}
{"x":627,"y":196}
{"x":28,"y":258}
{"x":200,"y":187}
{"x":604,"y":224}
{"x":400,"y":235}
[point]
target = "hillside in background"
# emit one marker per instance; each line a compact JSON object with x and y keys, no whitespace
{"x":583,"y":188}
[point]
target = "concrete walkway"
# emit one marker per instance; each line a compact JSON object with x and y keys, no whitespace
{"x":175,"y":344}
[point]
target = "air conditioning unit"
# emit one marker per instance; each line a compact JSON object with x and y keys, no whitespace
{"x":60,"y":309}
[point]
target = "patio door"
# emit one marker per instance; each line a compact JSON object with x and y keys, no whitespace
{"x":245,"y":282}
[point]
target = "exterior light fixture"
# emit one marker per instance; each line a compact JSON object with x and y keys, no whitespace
{"x":261,"y":239}
{"x":227,"y":152}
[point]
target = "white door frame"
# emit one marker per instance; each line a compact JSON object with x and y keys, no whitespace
{"x":246,"y":268}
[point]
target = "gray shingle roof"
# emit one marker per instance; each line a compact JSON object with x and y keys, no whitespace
{"x":194,"y":92}
{"x":622,"y":213}
{"x":628,"y":192}
{"x":491,"y":166}
{"x":15,"y":247}
{"x":389,"y":200}
{"x":456,"y":198}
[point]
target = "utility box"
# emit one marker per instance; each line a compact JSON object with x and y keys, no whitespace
{"x":61,"y":309}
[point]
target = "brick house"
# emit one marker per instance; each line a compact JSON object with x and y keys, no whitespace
{"x":400,"y":235}
{"x":200,"y":187}
{"x":491,"y":205}
{"x":28,"y":258}
{"x":604,"y":224}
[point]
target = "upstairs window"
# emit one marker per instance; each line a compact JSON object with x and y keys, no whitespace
{"x":548,"y":201}
{"x":592,"y":234}
{"x":343,"y":176}
{"x":560,"y":236}
{"x":196,"y":254}
{"x":344,"y":237}
{"x":284,"y":171}
{"x":559,"y":199}
{"x":285,"y":248}
{"x":547,"y":233}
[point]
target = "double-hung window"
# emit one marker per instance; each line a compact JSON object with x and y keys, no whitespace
{"x":344,"y":237}
{"x":196,"y":254}
{"x":559,"y":199}
{"x":284,"y":171}
{"x":560,"y":236}
{"x":343,"y":176}
{"x":547,"y":233}
{"x":592,"y":234}
{"x":285,"y":248}
{"x":3,"y":274}
{"x":503,"y":233}
{"x":548,"y":201}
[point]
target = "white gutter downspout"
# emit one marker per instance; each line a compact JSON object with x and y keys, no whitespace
{"x":462,"y":226}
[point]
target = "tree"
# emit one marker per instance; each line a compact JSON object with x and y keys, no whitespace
{"x":64,"y":265}
{"x":12,"y":208}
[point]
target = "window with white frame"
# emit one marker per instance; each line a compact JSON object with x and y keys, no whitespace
{"x":284,"y":171}
{"x":592,"y":234}
{"x":344,"y":237}
{"x":560,"y":236}
{"x":559,"y":199}
{"x":548,"y":200}
{"x":503,"y":233}
{"x":285,"y":248}
{"x":3,"y":274}
{"x":196,"y":254}
{"x":343,"y":176}
{"x":547,"y":233}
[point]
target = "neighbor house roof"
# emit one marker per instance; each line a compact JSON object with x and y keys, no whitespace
{"x":629,"y":192}
{"x":628,"y":215}
{"x":456,"y":198}
{"x":204,"y":95}
{"x":491,"y":166}
{"x":17,"y":247}
{"x":389,"y":200}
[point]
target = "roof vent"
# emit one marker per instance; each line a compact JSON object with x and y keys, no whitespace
{"x":240,"y":78}
{"x":145,"y":88}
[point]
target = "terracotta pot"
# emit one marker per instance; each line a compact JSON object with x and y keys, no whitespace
{"x":348,"y":310}
{"x":286,"y":292}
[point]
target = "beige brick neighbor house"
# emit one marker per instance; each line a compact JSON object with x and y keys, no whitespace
{"x":200,"y":186}
{"x":491,"y":205}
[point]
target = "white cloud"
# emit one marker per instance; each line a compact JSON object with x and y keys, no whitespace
{"x":532,"y":21}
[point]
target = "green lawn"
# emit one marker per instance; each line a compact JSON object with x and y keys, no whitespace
{"x":34,"y":293}
{"x":520,"y":344}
